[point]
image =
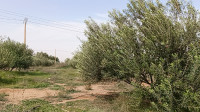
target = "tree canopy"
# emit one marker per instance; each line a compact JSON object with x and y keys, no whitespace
{"x":43,"y":59}
{"x":148,"y":43}
{"x":14,"y":55}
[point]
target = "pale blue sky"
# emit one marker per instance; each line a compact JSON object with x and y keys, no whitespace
{"x":70,"y":13}
{"x":47,"y":39}
{"x":70,"y":10}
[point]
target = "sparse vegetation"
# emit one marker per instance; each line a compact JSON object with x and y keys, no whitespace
{"x":47,"y":75}
{"x":88,"y":86}
{"x":72,"y":90}
{"x":2,"y":97}
{"x":63,"y":96}
{"x":35,"y":105}
{"x":56,"y":87}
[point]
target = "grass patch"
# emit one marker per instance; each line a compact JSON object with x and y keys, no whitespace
{"x":64,"y":67}
{"x":69,"y":77}
{"x":24,"y":79}
{"x":35,"y":105}
{"x":43,"y":77}
{"x":40,"y":78}
{"x":64,"y":96}
{"x":86,"y":106}
{"x":72,"y":90}
{"x":88,"y":87}
{"x":32,"y":83}
{"x":56,"y":87}
{"x":36,"y":73}
{"x":124,"y":102}
{"x":2,"y":97}
{"x":75,"y":106}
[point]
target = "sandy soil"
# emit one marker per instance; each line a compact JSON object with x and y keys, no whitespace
{"x":96,"y":90}
{"x":17,"y":95}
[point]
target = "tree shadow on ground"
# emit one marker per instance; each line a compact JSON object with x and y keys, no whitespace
{"x":30,"y":73}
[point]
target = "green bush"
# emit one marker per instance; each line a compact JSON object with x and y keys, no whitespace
{"x":89,"y":62}
{"x":72,"y":62}
{"x":43,"y":59}
{"x":34,"y":105}
{"x":153,"y":43}
{"x":7,"y":59}
{"x":14,"y":55}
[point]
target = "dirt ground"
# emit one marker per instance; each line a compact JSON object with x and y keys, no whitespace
{"x":17,"y":95}
{"x":96,"y":90}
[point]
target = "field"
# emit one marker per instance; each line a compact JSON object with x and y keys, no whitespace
{"x":58,"y":89}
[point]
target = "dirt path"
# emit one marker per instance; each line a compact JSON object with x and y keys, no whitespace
{"x":17,"y":95}
{"x":96,"y":90}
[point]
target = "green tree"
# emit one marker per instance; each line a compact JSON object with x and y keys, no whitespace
{"x":91,"y":58}
{"x":43,"y":59}
{"x":15,"y":55}
{"x":74,"y":61}
{"x":6,"y":59}
{"x":153,"y":43}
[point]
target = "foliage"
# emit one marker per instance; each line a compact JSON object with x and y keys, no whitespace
{"x":2,"y":97}
{"x":91,"y":58}
{"x":153,"y":43}
{"x":34,"y":105}
{"x":16,"y":79}
{"x":14,"y":55}
{"x":43,"y":59}
{"x":72,"y":62}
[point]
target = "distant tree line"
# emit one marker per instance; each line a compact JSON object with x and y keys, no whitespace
{"x":154,"y":44}
{"x":43,"y":59}
{"x":14,"y":55}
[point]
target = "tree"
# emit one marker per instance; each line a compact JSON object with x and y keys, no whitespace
{"x":14,"y":55}
{"x":74,"y":61}
{"x":91,"y":58}
{"x":153,"y":43}
{"x":6,"y":59}
{"x":43,"y":59}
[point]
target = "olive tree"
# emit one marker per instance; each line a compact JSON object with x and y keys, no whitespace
{"x":14,"y":55}
{"x":155,"y":45}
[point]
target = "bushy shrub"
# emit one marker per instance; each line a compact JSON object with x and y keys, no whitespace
{"x":72,"y":62}
{"x":14,"y":55}
{"x":153,"y":43}
{"x":91,"y":58}
{"x":6,"y":59}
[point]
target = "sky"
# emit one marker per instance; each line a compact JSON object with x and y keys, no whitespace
{"x":55,"y":24}
{"x":50,"y":22}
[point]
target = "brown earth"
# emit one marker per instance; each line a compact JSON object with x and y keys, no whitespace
{"x":96,"y":90}
{"x":17,"y":95}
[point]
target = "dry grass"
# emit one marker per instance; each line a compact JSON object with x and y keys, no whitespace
{"x":88,"y":86}
{"x":2,"y":97}
{"x":69,"y":84}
